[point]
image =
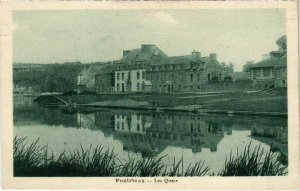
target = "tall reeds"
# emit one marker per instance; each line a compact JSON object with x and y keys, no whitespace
{"x":253,"y":162}
{"x":32,"y":160}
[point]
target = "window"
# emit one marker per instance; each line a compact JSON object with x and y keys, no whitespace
{"x":118,"y":87}
{"x":138,"y":86}
{"x":123,"y":125}
{"x":266,"y":72}
{"x":123,"y":87}
{"x":179,"y":87}
{"x":283,"y":83}
{"x":208,"y":77}
{"x":172,"y":76}
{"x":138,"y":127}
{"x":192,"y":87}
{"x":191,"y":77}
{"x":198,"y":87}
{"x":144,"y":75}
{"x":129,"y":75}
{"x":122,"y":75}
{"x":118,"y":76}
{"x":118,"y":125}
{"x":138,"y":75}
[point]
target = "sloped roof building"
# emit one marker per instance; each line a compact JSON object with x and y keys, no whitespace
{"x":271,"y":71}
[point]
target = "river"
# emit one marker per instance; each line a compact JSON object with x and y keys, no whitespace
{"x":192,"y":137}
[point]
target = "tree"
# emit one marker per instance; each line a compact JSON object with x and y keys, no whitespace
{"x":282,"y":43}
{"x":247,"y":66}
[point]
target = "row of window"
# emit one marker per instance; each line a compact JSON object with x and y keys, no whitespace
{"x":181,"y":76}
{"x":121,"y":87}
{"x":175,"y":66}
{"x":138,"y":75}
{"x":137,"y":126}
{"x":171,"y":87}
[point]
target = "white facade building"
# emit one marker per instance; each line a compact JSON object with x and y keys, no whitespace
{"x":129,"y":80}
{"x":132,"y":123}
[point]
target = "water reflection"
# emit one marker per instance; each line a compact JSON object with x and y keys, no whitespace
{"x":150,"y":134}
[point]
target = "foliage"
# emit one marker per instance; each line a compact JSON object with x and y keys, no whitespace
{"x":52,"y":77}
{"x":282,"y":43}
{"x":247,"y":66}
{"x":33,"y":160}
{"x":61,"y":77}
{"x":29,"y":78}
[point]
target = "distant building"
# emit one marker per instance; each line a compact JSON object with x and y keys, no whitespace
{"x":271,"y":72}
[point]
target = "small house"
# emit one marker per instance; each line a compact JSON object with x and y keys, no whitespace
{"x":270,"y":72}
{"x":86,"y":78}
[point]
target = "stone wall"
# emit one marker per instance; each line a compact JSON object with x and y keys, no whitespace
{"x":234,"y":86}
{"x":104,"y":83}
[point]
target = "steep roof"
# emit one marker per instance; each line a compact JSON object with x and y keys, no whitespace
{"x":271,"y":62}
{"x":105,"y":70}
{"x":93,"y":69}
{"x":180,"y":59}
{"x":96,"y":68}
{"x":85,"y":80}
{"x":147,"y":53}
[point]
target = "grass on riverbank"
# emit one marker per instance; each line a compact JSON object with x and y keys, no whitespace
{"x":266,"y":101}
{"x":253,"y":163}
{"x":33,"y":160}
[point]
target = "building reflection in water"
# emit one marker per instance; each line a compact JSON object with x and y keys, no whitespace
{"x":151,"y":133}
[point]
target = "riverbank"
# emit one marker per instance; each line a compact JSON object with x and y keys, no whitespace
{"x":272,"y":102}
{"x":33,"y":160}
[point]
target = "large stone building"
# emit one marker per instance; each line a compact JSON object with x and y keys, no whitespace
{"x":149,"y":69}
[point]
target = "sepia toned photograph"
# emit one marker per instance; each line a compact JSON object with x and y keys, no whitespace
{"x":133,"y":93}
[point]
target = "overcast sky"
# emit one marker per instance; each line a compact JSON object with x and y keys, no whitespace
{"x":101,"y":35}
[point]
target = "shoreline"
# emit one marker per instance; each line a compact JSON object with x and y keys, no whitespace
{"x":158,"y":109}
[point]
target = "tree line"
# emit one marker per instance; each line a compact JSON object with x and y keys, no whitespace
{"x":49,"y":78}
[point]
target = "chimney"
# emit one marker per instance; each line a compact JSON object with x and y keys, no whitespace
{"x":213,"y":56}
{"x":144,"y":46}
{"x":125,"y":52}
{"x":265,"y":56}
{"x":196,"y":55}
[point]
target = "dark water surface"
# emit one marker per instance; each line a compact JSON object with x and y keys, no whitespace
{"x":138,"y":134}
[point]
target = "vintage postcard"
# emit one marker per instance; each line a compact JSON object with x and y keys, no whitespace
{"x":150,"y":95}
